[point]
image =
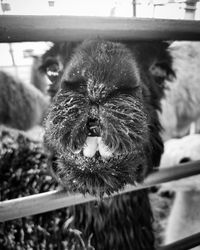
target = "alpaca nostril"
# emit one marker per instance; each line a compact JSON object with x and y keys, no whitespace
{"x":93,"y":127}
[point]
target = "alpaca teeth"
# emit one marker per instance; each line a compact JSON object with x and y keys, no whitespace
{"x":104,"y":151}
{"x":94,"y":144}
{"x":90,"y":146}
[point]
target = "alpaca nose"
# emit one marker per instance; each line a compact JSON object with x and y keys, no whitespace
{"x":93,"y":127}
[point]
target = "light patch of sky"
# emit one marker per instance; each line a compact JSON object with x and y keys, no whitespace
{"x":69,"y":7}
{"x":120,"y":8}
{"x":5,"y":58}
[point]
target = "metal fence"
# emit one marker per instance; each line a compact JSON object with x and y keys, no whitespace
{"x":61,"y":28}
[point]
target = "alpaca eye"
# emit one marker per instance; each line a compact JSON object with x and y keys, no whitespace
{"x":75,"y":85}
{"x":185,"y":159}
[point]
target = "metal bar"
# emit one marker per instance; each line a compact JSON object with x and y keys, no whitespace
{"x":39,"y":203}
{"x":62,"y":28}
{"x":184,"y":244}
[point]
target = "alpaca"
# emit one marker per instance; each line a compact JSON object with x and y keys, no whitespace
{"x":182,"y":100}
{"x":184,"y":218}
{"x":102,"y":132}
{"x":22,"y":106}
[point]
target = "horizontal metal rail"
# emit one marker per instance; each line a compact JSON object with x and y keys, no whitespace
{"x":184,"y":244}
{"x":60,"y":28}
{"x":52,"y":200}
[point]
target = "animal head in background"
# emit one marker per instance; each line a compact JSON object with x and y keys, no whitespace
{"x":178,"y":151}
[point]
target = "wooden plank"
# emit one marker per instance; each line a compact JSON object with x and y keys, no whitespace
{"x":61,"y":28}
{"x":39,"y":203}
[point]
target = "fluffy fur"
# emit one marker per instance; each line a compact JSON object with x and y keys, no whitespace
{"x":119,"y":87}
{"x":182,"y":100}
{"x":22,"y":106}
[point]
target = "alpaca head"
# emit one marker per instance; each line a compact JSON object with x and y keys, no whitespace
{"x":177,"y":151}
{"x":103,"y":125}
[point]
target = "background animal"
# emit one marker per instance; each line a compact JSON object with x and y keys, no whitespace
{"x":184,"y":218}
{"x":180,"y":107}
{"x":180,"y":113}
{"x":22,"y":106}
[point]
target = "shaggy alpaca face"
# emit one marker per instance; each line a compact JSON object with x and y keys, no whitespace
{"x":101,"y":119}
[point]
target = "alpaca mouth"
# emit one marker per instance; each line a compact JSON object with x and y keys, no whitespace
{"x":95,"y":156}
{"x":96,"y":169}
{"x":93,"y":126}
{"x":99,"y":175}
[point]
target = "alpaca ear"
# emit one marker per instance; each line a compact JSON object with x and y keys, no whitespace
{"x":162,"y":67}
{"x":162,"y":70}
{"x":154,"y":56}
